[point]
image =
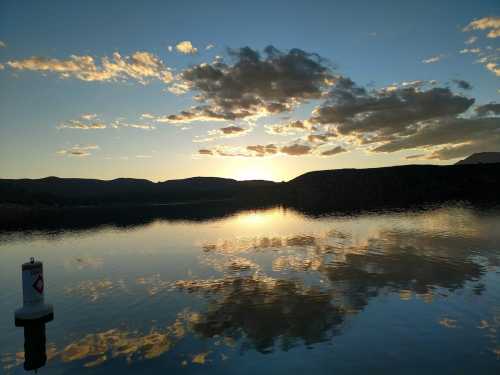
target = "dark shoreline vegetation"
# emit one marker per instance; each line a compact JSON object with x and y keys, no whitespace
{"x":78,"y":203}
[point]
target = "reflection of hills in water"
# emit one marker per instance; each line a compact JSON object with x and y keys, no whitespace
{"x":90,"y":218}
{"x":273,"y":292}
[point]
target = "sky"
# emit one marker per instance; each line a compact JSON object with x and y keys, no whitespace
{"x":246,"y":90}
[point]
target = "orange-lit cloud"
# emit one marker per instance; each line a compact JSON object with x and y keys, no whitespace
{"x":186,"y":47}
{"x":492,"y":24}
{"x":140,"y":66}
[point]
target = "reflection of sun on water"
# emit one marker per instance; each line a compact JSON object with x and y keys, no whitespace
{"x":259,"y":217}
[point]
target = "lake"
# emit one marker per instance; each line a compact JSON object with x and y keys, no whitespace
{"x":264,"y":291}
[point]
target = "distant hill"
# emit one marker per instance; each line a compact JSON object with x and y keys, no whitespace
{"x":350,"y":189}
{"x":481,"y":158}
{"x":399,"y":186}
{"x":78,"y":191}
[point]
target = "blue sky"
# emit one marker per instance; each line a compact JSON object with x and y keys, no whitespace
{"x":374,"y":44}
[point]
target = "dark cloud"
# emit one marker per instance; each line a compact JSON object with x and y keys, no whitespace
{"x":410,"y":117}
{"x":205,"y":152}
{"x":416,"y":156}
{"x":254,"y":84}
{"x":488,"y":109}
{"x":322,"y":137}
{"x":333,"y":151}
{"x":464,"y":85}
{"x":458,"y":136}
{"x":262,"y":150}
{"x":291,"y":127}
{"x":386,"y":113}
{"x":296,"y":149}
{"x":232,"y":129}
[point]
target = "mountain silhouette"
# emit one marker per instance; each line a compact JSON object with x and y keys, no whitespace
{"x":312,"y":193}
{"x":481,"y":158}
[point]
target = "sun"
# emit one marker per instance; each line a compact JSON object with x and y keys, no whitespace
{"x":255,"y":173}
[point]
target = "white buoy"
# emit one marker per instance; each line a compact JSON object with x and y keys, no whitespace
{"x":34,"y":309}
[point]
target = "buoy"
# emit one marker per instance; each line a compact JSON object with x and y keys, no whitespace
{"x":34,"y":309}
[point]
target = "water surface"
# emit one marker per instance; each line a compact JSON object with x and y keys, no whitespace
{"x":272,"y":290}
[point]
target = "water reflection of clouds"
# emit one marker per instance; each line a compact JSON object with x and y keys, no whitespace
{"x":95,"y":349}
{"x":263,"y":311}
{"x":84,"y":262}
{"x":94,"y":290}
{"x":263,"y":295}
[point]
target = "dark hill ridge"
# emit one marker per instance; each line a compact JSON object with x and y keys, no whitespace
{"x":79,"y":191}
{"x":481,"y":158}
{"x":322,"y":190}
{"x":394,"y":186}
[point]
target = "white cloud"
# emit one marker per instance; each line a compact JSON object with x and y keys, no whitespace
{"x":88,"y":116}
{"x":470,"y":50}
{"x":75,"y":124}
{"x":185,"y":47}
{"x":209,"y":46}
{"x":2,"y":44}
{"x":471,"y":40}
{"x":433,"y":59}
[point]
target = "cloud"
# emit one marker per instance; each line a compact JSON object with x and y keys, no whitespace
{"x":178,"y":88}
{"x":322,"y":137}
{"x":333,"y":151}
{"x":185,"y":47}
{"x":2,"y":66}
{"x":487,"y":23}
{"x":225,"y":132}
{"x":471,"y":40}
{"x":386,"y":114}
{"x":470,"y":50}
{"x":78,"y":150}
{"x":433,"y":59}
{"x":228,"y":130}
{"x":196,"y":114}
{"x":143,"y":156}
{"x":416,"y":156}
{"x":262,"y":150}
{"x":488,"y":109}
{"x":75,"y":124}
{"x":464,"y":85}
{"x":205,"y":151}
{"x":248,"y":151}
{"x":430,"y":119}
{"x":296,"y":148}
{"x":494,"y":68}
{"x":254,"y":85}
{"x":292,"y":127}
{"x":2,"y":44}
{"x":88,"y":116}
{"x":136,"y":126}
{"x":209,"y":46}
{"x":457,"y":136}
{"x":140,"y":66}
{"x":87,"y":121}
